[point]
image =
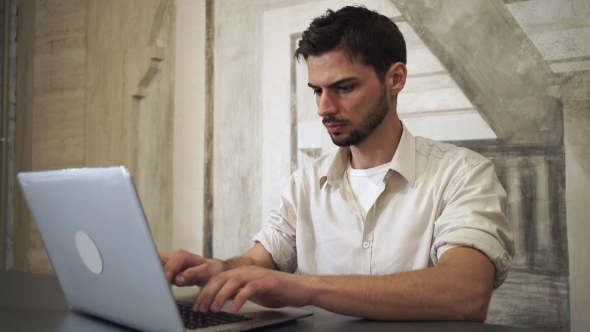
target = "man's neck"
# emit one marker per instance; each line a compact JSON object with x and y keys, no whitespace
{"x":379,"y":147}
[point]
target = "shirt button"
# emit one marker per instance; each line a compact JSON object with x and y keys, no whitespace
{"x":366,"y":244}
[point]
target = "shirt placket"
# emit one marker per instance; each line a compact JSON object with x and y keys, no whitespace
{"x":367,"y":225}
{"x":368,"y":244}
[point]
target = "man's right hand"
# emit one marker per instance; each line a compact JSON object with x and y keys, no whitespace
{"x":183,"y":268}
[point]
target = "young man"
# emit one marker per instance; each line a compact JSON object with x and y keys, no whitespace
{"x":391,"y":226}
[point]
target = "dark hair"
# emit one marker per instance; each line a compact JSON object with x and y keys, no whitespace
{"x":362,"y":34}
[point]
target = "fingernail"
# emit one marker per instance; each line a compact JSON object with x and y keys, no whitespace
{"x":179,"y":280}
{"x":196,"y":307}
{"x":233,"y":308}
{"x":203,"y":308}
{"x":214,"y":306}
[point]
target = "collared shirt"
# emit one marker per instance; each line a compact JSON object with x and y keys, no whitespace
{"x":435,"y":196}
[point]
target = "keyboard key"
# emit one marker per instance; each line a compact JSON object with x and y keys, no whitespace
{"x":196,"y":320}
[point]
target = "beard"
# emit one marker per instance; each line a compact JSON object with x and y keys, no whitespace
{"x":368,"y":124}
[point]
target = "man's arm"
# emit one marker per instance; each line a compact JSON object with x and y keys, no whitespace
{"x":459,"y":288}
{"x":183,"y":268}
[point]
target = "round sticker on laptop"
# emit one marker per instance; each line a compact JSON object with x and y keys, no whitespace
{"x":88,"y":252}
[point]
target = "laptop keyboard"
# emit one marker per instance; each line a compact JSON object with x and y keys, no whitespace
{"x":196,"y":320}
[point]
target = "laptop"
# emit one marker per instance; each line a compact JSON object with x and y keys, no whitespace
{"x":100,"y":246}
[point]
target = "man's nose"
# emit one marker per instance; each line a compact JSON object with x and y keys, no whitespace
{"x":326,"y":105}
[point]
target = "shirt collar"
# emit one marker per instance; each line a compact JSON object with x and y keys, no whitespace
{"x":403,"y":162}
{"x":404,"y":159}
{"x":334,"y":172}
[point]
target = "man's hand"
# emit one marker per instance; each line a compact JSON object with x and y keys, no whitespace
{"x":183,"y":268}
{"x":266,"y":287}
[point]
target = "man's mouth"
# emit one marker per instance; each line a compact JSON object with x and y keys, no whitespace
{"x":334,"y":127}
{"x":333,"y":124}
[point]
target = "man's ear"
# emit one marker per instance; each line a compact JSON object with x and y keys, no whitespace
{"x":396,"y":78}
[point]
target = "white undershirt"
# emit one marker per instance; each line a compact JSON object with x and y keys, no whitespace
{"x":366,"y":184}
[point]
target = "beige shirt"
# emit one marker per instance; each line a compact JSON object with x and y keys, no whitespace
{"x":434,"y":197}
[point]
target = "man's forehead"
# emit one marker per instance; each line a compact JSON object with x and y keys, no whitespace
{"x":335,"y":65}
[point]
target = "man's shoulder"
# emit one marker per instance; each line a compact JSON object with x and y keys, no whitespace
{"x":446,"y":153}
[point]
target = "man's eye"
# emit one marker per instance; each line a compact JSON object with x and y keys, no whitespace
{"x":317,"y":92}
{"x":345,"y":88}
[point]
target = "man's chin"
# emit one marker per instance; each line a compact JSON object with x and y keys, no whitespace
{"x":342,"y":140}
{"x":339,"y":140}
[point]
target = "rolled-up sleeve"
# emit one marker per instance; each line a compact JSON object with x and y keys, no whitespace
{"x":473,"y":216}
{"x":280,"y":246}
{"x":278,"y":236}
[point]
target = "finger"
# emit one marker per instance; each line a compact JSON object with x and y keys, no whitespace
{"x":243,"y":295}
{"x":172,"y":266}
{"x":179,"y":261}
{"x":165,"y":256}
{"x":198,"y":275}
{"x":209,"y":292}
{"x":229,"y":289}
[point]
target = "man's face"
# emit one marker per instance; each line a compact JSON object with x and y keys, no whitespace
{"x":351,"y":99}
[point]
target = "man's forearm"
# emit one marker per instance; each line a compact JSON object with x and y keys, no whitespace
{"x":257,"y":256}
{"x":445,"y":292}
{"x":236,"y":262}
{"x":459,"y":288}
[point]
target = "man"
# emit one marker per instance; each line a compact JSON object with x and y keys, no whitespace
{"x":389,"y":227}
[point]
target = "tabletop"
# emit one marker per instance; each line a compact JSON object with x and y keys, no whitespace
{"x":34,"y":302}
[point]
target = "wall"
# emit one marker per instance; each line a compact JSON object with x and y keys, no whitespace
{"x":238,"y":136}
{"x":94,"y":89}
{"x":81,"y":65}
{"x":237,"y":139}
{"x":9,"y":25}
{"x":577,"y":160}
{"x":537,"y":114}
{"x":189,"y":127}
{"x":508,"y":83}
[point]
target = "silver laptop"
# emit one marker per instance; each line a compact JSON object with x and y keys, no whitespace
{"x":101,"y":249}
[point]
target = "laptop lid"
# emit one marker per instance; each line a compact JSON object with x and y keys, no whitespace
{"x":95,"y":233}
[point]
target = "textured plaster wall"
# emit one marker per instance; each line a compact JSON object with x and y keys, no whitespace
{"x":94,"y":89}
{"x":189,"y":128}
{"x":577,"y":124}
{"x":502,"y":73}
{"x":501,"y":76}
{"x":238,"y":139}
{"x":77,"y":75}
{"x":56,"y":125}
